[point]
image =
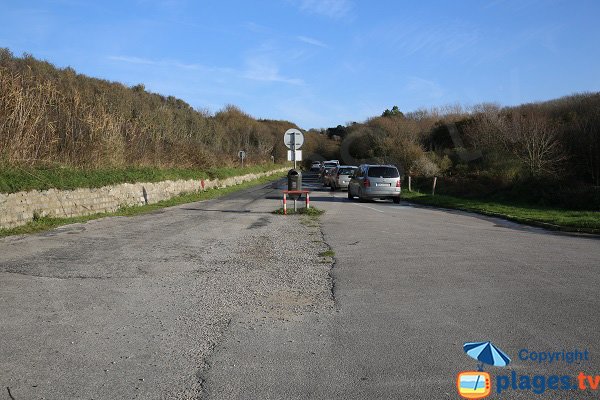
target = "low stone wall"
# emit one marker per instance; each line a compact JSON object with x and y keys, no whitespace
{"x":19,"y":208}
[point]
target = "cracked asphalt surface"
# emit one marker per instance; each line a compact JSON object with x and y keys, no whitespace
{"x":411,"y":286}
{"x":130,"y":307}
{"x":223,"y":300}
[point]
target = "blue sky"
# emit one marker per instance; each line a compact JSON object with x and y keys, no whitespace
{"x":320,"y":63}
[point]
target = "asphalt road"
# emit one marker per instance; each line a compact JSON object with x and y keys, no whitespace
{"x":129,"y":308}
{"x":223,"y":300}
{"x":411,"y":286}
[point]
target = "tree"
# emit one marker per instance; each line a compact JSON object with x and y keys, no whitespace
{"x":339,"y":131}
{"x":395,"y":112}
{"x":534,"y":140}
{"x":586,"y":143}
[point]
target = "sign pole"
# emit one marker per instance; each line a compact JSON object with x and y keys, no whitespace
{"x":294,"y":150}
{"x":293,"y":140}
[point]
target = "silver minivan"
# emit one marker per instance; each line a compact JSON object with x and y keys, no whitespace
{"x":375,"y":182}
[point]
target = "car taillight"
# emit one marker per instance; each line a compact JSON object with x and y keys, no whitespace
{"x":367,"y":183}
{"x":398,"y":183}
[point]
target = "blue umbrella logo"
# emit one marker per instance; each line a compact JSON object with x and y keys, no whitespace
{"x":486,"y":353}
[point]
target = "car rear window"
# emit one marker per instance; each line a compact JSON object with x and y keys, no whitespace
{"x":383,"y":172}
{"x":346,"y":171}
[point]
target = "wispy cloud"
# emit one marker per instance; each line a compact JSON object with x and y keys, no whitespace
{"x":257,"y":28}
{"x":146,"y":61}
{"x":167,"y":63}
{"x":335,"y":9}
{"x":263,"y":69}
{"x":409,"y":37}
{"x":424,"y":88}
{"x":518,"y":5}
{"x":259,"y":67}
{"x":312,"y":41}
{"x":534,"y":37}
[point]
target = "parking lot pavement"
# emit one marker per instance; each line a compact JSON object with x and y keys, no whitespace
{"x":411,"y":286}
{"x":224,"y":300}
{"x":126,"y":308}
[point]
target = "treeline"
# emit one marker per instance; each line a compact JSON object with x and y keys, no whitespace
{"x":546,"y":153}
{"x":53,"y":116}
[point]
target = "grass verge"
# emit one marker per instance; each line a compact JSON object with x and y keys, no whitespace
{"x":300,"y":211}
{"x":45,"y":223}
{"x":551,"y":218}
{"x":16,"y":179}
{"x":327,"y":253}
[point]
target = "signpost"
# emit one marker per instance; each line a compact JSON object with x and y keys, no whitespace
{"x":293,"y":155}
{"x":293,"y":139}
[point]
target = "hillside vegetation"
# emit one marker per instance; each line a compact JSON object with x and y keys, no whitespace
{"x":544,"y":153}
{"x":56,"y":117}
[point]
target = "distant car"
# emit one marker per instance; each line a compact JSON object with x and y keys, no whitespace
{"x":340,"y":177}
{"x":375,"y":182}
{"x":315,"y":166}
{"x":327,"y":176}
{"x":325,"y":168}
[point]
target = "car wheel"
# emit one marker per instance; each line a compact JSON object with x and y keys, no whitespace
{"x":361,"y":198}
{"x":396,"y":200}
{"x":350,"y":197}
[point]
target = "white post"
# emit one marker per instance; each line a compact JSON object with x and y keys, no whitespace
{"x":434,"y":183}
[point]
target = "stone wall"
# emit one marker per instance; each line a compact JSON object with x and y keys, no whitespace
{"x":19,"y":208}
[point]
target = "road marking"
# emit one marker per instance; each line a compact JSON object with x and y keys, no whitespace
{"x":374,"y":209}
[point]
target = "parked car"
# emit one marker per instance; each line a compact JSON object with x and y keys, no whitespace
{"x":340,"y":177}
{"x":375,"y":182}
{"x":315,"y":166}
{"x":327,"y":176}
{"x":327,"y":167}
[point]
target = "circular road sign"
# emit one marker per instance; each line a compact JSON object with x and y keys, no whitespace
{"x":295,"y":136}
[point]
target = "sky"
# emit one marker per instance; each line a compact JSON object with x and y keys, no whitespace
{"x":320,"y":63}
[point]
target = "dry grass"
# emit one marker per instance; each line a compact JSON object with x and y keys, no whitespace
{"x":51,"y":116}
